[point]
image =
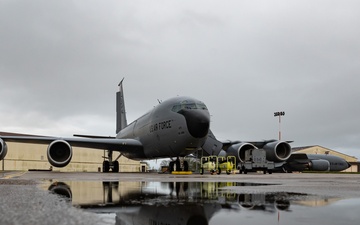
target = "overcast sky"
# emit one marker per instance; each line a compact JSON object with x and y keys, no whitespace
{"x":61,"y":62}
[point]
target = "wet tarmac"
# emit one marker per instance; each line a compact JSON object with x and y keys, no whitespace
{"x":164,"y":199}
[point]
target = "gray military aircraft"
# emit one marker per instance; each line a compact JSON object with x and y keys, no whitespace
{"x":314,"y":162}
{"x":174,"y":129}
{"x":285,"y":160}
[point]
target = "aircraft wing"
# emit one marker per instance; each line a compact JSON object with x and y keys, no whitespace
{"x":276,"y":151}
{"x":125,"y":146}
{"x":226,"y":144}
{"x":258,"y":144}
{"x":299,"y":157}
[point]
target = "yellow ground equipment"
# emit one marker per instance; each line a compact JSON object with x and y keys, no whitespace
{"x":208,"y":163}
{"x":226,"y":164}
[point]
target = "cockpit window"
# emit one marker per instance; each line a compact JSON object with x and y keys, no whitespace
{"x":176,"y":108}
{"x":201,"y":106}
{"x":189,"y":105}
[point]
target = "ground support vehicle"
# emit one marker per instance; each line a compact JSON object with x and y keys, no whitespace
{"x":255,"y":160}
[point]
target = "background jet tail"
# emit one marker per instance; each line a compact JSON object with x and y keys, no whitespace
{"x":121,"y":121}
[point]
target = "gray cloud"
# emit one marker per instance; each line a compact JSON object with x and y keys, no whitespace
{"x":60,"y":63}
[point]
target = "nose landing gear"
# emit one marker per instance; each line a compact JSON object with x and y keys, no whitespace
{"x":179,"y":166}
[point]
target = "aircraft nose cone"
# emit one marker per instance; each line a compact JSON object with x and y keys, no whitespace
{"x":348,"y":164}
{"x":197,"y":121}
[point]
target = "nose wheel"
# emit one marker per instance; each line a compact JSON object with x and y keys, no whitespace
{"x":178,"y":166}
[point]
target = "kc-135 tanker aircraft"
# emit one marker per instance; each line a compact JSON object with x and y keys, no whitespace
{"x":175,"y":128}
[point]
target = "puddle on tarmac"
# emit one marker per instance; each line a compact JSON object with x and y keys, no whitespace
{"x":198,"y":203}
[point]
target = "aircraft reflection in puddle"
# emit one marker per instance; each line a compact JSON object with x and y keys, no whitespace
{"x":173,"y":202}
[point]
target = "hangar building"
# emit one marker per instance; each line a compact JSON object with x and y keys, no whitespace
{"x":22,"y":156}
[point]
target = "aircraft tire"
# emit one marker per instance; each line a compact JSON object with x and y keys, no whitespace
{"x":218,"y":171}
{"x":228,"y":172}
{"x":115,"y":167}
{"x":177,"y":163}
{"x":186,"y":166}
{"x":106,"y":166}
{"x":171,"y":167}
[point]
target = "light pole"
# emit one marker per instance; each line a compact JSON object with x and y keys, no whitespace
{"x":279,"y":114}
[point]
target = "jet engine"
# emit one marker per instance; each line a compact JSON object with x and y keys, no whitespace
{"x":319,"y":165}
{"x":3,"y":149}
{"x":59,"y":153}
{"x":238,"y":150}
{"x":277,"y":151}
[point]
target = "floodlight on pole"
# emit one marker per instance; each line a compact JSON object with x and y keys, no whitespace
{"x":279,"y":114}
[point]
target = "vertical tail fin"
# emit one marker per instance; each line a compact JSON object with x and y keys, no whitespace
{"x":121,"y":121}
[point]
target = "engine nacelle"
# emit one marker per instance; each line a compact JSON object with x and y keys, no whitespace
{"x":59,"y":153}
{"x":319,"y":165}
{"x":3,"y":149}
{"x":277,"y":151}
{"x":238,"y":150}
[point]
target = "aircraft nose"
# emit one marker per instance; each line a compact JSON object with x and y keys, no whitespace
{"x":348,"y":164}
{"x":197,"y":121}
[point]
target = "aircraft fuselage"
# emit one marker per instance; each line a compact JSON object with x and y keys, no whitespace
{"x":335,"y":163}
{"x":176,"y":127}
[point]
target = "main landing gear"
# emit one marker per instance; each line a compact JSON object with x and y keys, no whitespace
{"x":109,"y":164}
{"x":178,"y":165}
